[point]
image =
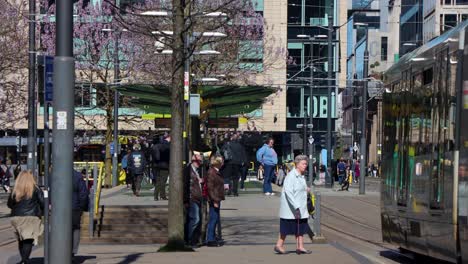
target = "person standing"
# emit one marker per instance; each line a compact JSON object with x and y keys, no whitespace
{"x":192,"y":198}
{"x":26,"y":202}
{"x":136,"y":165}
{"x":341,"y":169}
{"x":215,"y":193}
{"x":267,"y":156}
{"x":80,"y":203}
{"x":293,"y":207}
{"x":234,"y":157}
{"x":161,"y":153}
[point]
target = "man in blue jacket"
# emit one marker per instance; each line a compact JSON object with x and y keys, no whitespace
{"x":267,"y":156}
{"x":80,"y":203}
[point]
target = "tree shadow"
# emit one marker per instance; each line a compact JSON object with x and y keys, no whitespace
{"x":78,"y":259}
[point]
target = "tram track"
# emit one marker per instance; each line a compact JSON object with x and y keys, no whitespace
{"x":349,"y":218}
{"x":4,"y":231}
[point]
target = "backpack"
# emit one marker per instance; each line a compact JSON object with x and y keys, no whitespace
{"x":227,"y":151}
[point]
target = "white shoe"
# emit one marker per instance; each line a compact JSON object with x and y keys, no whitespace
{"x":152,"y":189}
{"x":267,"y":194}
{"x":272,"y":194}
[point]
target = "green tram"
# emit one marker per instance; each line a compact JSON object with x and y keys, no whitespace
{"x":424,"y":196}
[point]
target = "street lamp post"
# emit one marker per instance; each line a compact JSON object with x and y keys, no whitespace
{"x":63,"y":130}
{"x":362,"y":164}
{"x":31,"y":89}
{"x":116,"y":110}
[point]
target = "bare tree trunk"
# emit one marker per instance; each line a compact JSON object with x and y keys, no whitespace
{"x":176,"y":210}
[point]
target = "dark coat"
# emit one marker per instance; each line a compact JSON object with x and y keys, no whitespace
{"x":239,"y":156}
{"x":161,"y":153}
{"x":80,"y":200}
{"x":192,"y":187}
{"x":27,"y":207}
{"x":215,"y":185}
{"x":136,"y":162}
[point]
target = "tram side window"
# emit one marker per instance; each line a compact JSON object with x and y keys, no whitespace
{"x":404,"y":131}
{"x":440,"y":118}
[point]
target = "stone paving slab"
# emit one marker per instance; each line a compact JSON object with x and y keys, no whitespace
{"x":250,"y":227}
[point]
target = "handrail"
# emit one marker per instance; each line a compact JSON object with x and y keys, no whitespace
{"x":89,"y":166}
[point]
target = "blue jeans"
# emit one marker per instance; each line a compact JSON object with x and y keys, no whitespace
{"x":267,"y":177}
{"x":193,"y":221}
{"x":212,"y":221}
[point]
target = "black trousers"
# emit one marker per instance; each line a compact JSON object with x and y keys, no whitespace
{"x":25,"y":248}
{"x":160,"y":187}
{"x":244,"y":171}
{"x":136,"y":183}
{"x":232,"y":172}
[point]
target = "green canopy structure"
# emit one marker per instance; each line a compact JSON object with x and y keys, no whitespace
{"x":220,"y":101}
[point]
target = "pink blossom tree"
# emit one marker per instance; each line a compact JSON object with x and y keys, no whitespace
{"x":95,"y":51}
{"x":14,"y":63}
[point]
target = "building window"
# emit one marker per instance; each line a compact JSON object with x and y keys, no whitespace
{"x":462,"y":2}
{"x":384,"y":48}
{"x":464,"y":17}
{"x":450,"y":21}
{"x":293,"y":101}
{"x":294,"y":12}
{"x":83,"y":95}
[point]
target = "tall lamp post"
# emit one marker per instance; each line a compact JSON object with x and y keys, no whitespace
{"x":363,"y":148}
{"x":31,"y":89}
{"x":311,"y":108}
{"x":63,"y":130}
{"x":115,"y":163}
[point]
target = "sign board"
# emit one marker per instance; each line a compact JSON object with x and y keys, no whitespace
{"x":49,"y":78}
{"x":224,"y":122}
{"x":194,"y":105}
{"x":162,"y":123}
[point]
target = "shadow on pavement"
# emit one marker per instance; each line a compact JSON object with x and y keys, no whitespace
{"x":132,"y":258}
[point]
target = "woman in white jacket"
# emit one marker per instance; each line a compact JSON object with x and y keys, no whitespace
{"x":293,"y":207}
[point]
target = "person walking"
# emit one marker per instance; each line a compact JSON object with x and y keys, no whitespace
{"x":267,"y":156}
{"x":215,"y":193}
{"x":136,"y":165}
{"x":234,"y":157}
{"x":26,"y":202}
{"x":346,"y":179}
{"x":80,"y":203}
{"x":161,"y":153}
{"x":125,"y":168}
{"x":293,"y":211}
{"x":193,"y":198}
{"x":357,"y":172}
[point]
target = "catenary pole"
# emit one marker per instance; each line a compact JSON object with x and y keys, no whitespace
{"x":362,"y":164}
{"x":62,"y":149}
{"x":329,"y":106}
{"x":311,"y":112}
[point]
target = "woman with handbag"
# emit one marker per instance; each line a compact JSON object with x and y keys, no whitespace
{"x":26,"y":202}
{"x":293,"y":207}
